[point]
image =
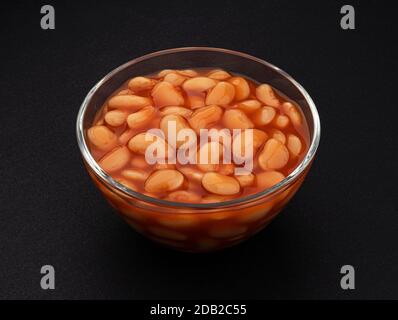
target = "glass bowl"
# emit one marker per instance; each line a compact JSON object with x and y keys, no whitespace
{"x":198,"y":227}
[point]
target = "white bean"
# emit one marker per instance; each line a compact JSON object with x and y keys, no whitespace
{"x":164,"y":181}
{"x":165,"y":94}
{"x":222,"y":94}
{"x":220,"y":184}
{"x":294,"y":145}
{"x":115,"y":160}
{"x":274,"y":155}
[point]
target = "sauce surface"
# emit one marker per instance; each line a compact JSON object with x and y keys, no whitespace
{"x":193,"y":100}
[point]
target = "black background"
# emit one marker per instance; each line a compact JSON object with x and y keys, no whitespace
{"x":345,"y":213}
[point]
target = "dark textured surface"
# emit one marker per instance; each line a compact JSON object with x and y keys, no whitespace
{"x":345,"y":213}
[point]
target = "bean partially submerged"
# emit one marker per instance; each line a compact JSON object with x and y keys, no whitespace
{"x":181,"y":111}
{"x":264,"y":116}
{"x":242,"y":89}
{"x":220,"y":184}
{"x":178,"y":123}
{"x":249,"y":106}
{"x":115,"y":160}
{"x":141,"y":118}
{"x":175,"y":79}
{"x":131,"y":102}
{"x":164,"y":181}
{"x":134,"y":174}
{"x":184,"y":196}
{"x":236,"y":119}
{"x":274,"y":155}
{"x":218,"y":75}
{"x":222,"y":94}
{"x":266,"y":95}
{"x":268,"y":179}
{"x":205,"y":117}
{"x":165,"y":94}
{"x":142,"y":141}
{"x":294,"y":145}
{"x":209,"y":156}
{"x":141,"y":83}
{"x":198,"y":84}
{"x":102,"y":137}
{"x":115,"y":118}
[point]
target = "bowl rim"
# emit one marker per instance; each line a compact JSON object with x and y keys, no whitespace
{"x":306,"y":161}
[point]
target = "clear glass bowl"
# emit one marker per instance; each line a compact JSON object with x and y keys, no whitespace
{"x":198,"y":227}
